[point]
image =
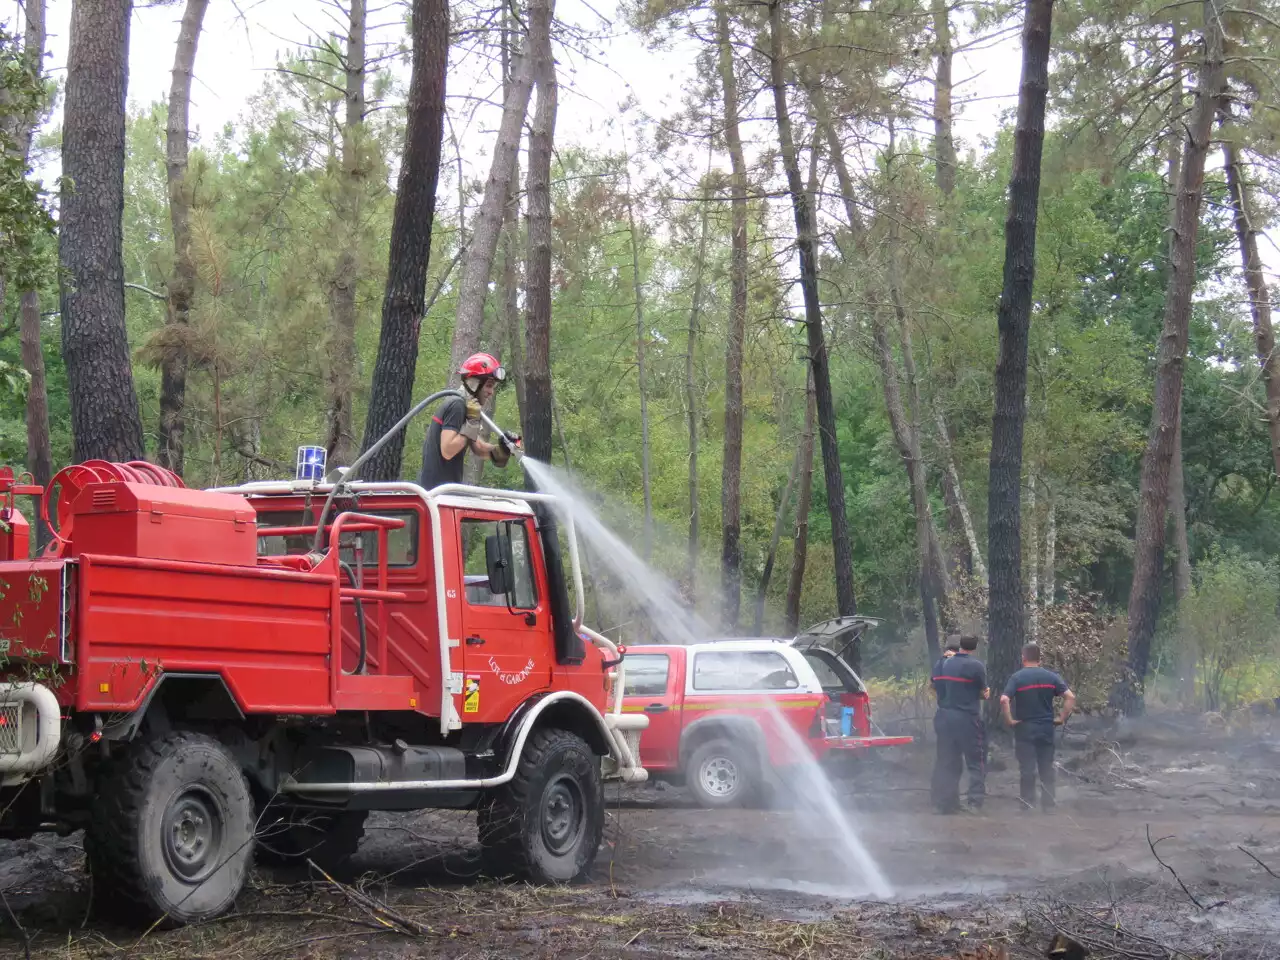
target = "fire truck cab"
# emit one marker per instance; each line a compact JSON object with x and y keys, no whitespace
{"x":198,"y":677}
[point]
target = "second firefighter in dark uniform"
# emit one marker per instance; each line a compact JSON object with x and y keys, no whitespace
{"x":960,"y":683}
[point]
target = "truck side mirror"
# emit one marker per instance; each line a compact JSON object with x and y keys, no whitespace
{"x":498,"y":562}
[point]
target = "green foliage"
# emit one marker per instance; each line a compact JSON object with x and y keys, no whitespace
{"x":1231,"y":622}
{"x":26,"y":227}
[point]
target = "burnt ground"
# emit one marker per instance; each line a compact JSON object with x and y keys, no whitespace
{"x":677,"y":881}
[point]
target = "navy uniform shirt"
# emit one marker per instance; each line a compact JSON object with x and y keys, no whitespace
{"x":435,"y":468}
{"x":1031,"y":691}
{"x":959,"y":682}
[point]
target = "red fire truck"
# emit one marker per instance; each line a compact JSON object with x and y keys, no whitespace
{"x":192,"y":675}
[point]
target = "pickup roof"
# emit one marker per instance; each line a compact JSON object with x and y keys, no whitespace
{"x":714,"y":709}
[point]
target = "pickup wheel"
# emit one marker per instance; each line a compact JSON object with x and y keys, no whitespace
{"x":289,"y":836}
{"x":721,"y":774}
{"x":170,"y":837}
{"x":545,"y":825}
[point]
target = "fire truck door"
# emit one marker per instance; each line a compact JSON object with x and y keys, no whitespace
{"x":506,"y":635}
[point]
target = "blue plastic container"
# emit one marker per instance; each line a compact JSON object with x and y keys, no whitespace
{"x":311,"y":462}
{"x":846,"y":722}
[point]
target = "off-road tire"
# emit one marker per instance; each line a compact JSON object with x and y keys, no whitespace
{"x":727,"y":763}
{"x":289,"y":836}
{"x":170,"y":837}
{"x":545,"y":825}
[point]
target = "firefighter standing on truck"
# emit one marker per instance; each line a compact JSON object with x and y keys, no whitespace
{"x":960,"y":683}
{"x":456,"y":426}
{"x":1027,"y":705}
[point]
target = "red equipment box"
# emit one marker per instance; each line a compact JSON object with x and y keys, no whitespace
{"x":163,"y":523}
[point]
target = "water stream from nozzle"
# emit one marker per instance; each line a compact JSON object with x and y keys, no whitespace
{"x":670,"y":619}
{"x":674,"y":623}
{"x":811,"y":785}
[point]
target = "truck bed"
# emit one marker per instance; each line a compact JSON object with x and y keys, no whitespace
{"x":266,"y":631}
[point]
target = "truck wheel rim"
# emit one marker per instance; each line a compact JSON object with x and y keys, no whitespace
{"x":719,"y":776}
{"x":192,"y":834}
{"x":562,"y":814}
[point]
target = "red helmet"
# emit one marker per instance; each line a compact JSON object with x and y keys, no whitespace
{"x":483,"y":366}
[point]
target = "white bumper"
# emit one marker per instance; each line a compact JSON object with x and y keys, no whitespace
{"x":626,"y":729}
{"x":30,"y":730}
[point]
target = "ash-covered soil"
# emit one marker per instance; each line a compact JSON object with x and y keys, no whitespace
{"x":677,"y":881}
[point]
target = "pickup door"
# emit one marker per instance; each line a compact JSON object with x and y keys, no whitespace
{"x":654,"y":686}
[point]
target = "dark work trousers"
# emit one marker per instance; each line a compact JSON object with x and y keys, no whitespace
{"x":961,"y":742}
{"x":1033,"y":746}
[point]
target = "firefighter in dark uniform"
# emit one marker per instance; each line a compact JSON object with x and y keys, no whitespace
{"x":1027,"y":705}
{"x":456,"y":426}
{"x":960,"y":683}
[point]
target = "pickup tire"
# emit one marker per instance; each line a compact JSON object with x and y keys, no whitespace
{"x":546,"y":823}
{"x":289,"y":836}
{"x":720,"y":773}
{"x":170,"y":838}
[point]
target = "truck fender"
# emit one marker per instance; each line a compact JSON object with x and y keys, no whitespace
{"x":736,"y":727}
{"x":173,"y":697}
{"x":563,"y":709}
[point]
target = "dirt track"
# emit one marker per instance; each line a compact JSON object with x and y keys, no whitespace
{"x":676,"y":881}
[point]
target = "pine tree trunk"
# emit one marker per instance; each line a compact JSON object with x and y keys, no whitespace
{"x":514,"y":329}
{"x":1033,"y":568}
{"x":173,"y":368}
{"x":944,"y":147}
{"x":691,"y":397}
{"x":477,"y":265}
{"x":941,"y":582}
{"x":731,"y":468}
{"x":1153,"y":490}
{"x":39,"y":443}
{"x":806,"y":242}
{"x":341,"y":439}
{"x":1004,"y":529}
{"x":1050,"y":587}
{"x":391,"y":394}
{"x":104,"y":404}
{"x":538,"y":411}
{"x":913,"y":464}
{"x":1256,"y":282}
{"x":771,"y":557}
{"x":799,"y":553}
{"x":976,"y":565}
{"x":642,"y":338}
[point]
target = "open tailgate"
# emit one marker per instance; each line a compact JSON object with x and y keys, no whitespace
{"x":865,"y":743}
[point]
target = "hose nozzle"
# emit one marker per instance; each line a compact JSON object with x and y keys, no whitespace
{"x":512,"y":439}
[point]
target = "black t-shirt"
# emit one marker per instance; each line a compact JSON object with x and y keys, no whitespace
{"x":959,"y":682}
{"x":436,"y":470}
{"x":1031,"y":691}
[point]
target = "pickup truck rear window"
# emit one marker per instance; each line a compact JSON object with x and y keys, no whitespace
{"x":646,"y":674}
{"x":745,"y":670}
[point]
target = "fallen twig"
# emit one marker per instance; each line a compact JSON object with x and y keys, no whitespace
{"x":380,"y":911}
{"x":26,"y":937}
{"x":1258,"y":862}
{"x":1190,"y":896}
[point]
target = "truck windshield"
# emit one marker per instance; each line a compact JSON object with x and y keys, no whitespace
{"x":402,"y":544}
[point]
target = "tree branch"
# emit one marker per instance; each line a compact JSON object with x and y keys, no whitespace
{"x":147,"y":290}
{"x":1258,"y":862}
{"x":1190,"y":896}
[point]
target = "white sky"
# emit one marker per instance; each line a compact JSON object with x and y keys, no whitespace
{"x":242,"y":41}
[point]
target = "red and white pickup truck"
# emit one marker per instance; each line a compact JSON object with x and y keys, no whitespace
{"x":715,"y":708}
